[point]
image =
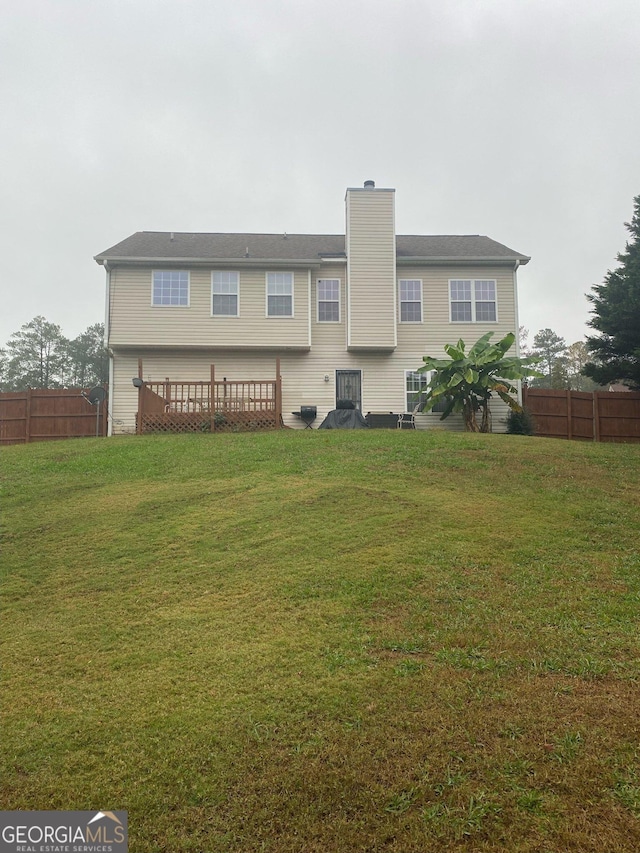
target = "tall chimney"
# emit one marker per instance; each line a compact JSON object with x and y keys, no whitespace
{"x":371,"y":269}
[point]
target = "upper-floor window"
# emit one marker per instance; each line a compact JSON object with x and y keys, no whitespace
{"x":473,"y":301}
{"x":410,"y":300}
{"x":328,"y":293}
{"x":279,"y":294}
{"x":225,"y":294}
{"x":170,"y":287}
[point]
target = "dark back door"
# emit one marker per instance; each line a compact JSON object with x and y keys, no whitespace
{"x":349,"y":386}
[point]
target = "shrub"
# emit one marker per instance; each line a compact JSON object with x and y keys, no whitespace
{"x":520,"y":423}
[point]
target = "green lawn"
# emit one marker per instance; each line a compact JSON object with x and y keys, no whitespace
{"x":326,"y":641}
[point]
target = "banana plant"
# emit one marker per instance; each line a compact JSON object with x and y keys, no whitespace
{"x":467,"y":380}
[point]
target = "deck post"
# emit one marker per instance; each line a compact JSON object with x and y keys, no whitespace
{"x":279,"y":423}
{"x":212,"y":399}
{"x":27,"y":414}
{"x":140,"y":399}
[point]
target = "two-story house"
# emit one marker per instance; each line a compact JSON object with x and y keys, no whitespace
{"x":348,"y":315}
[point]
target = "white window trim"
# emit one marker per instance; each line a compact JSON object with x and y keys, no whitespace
{"x":428,"y":374}
{"x":160,"y":305}
{"x":227,"y":316}
{"x":339,"y":320}
{"x":473,"y":300}
{"x":401,"y":300}
{"x":266,"y":295}
{"x":406,"y":390}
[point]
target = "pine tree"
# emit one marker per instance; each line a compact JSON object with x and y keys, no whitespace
{"x":616,"y":310}
{"x":36,"y":356}
{"x":39,"y":356}
{"x":550,"y":349}
{"x":88,"y":362}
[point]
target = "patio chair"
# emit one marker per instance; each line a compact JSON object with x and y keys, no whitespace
{"x":407,"y":420}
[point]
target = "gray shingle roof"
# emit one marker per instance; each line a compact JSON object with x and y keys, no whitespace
{"x":165,"y":245}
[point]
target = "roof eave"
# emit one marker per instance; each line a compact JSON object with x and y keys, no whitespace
{"x":457,"y":259}
{"x":245,"y":262}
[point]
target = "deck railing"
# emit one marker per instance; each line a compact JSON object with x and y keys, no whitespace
{"x":225,"y":405}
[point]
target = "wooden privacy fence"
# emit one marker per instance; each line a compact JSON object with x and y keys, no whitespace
{"x":42,"y":414}
{"x":213,"y":406}
{"x":598,"y":416}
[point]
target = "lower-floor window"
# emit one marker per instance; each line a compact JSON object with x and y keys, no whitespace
{"x":415,"y":387}
{"x":416,"y":391}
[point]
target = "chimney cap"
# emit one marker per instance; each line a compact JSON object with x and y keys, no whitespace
{"x":369,"y":185}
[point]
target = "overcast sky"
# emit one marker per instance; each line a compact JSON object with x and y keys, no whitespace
{"x":518,"y":119}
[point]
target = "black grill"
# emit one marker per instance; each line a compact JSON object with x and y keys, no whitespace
{"x":307,"y":414}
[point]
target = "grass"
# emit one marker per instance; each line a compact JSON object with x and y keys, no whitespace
{"x":305,"y":641}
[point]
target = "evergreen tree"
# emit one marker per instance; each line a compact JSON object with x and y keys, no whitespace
{"x":550,"y":349}
{"x":3,"y":370}
{"x":577,"y":357}
{"x":548,"y":346}
{"x":616,"y":315}
{"x":36,"y":356}
{"x":39,"y":356}
{"x":87,"y":356}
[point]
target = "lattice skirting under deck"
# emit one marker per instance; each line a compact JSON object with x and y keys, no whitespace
{"x":180,"y":422}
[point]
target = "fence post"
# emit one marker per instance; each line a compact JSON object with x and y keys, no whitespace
{"x":569,"y":415}
{"x":104,"y":426}
{"x":596,"y":417}
{"x":27,"y":418}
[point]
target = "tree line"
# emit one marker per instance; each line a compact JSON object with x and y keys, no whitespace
{"x":560,"y":364}
{"x":613,"y":354}
{"x":40,"y":356}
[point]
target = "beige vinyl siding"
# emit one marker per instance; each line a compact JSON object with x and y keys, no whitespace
{"x":303,"y":373}
{"x":329,"y":337}
{"x":303,"y":379}
{"x":436,"y":330}
{"x":371,"y":269}
{"x":134,"y":321}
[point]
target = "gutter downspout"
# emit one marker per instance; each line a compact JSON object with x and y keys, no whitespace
{"x":107,"y":317}
{"x":110,"y":397}
{"x":515,"y":306}
{"x":107,"y":305}
{"x":517,"y":316}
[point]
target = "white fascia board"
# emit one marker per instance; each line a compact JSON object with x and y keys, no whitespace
{"x":506,"y":261}
{"x":129,"y":348}
{"x":209,"y":262}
